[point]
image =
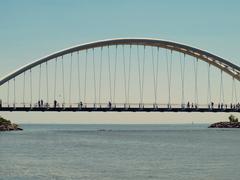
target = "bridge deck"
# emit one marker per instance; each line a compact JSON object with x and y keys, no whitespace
{"x":117,"y":109}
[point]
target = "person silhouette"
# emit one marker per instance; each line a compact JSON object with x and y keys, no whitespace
{"x":109,"y":104}
{"x":55,"y":103}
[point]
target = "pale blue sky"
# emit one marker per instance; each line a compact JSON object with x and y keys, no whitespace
{"x":31,"y":29}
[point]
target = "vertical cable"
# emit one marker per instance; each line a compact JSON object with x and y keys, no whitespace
{"x":233,"y":83}
{"x":94,"y":77}
{"x":220,"y":93}
{"x":182,"y":64}
{"x":8,"y":95}
{"x":139,"y":74}
{"x":129,"y":73}
{"x":85,"y":82}
{"x":168,"y":77}
{"x":70,"y":82}
{"x":143,"y":72}
{"x":169,"y":74}
{"x":79,"y":90}
{"x":115,"y":75}
{"x":109,"y":73}
{"x":55,"y":79}
{"x":234,"y":91}
{"x":63,"y":82}
{"x":39,"y":83}
{"x":100,"y":77}
{"x":31,"y":87}
{"x":124,"y":74}
{"x":154,"y":77}
{"x":14,"y":92}
{"x":24,"y":77}
{"x":237,"y":94}
{"x":209,"y":98}
{"x":221,"y":90}
{"x":47,"y":80}
{"x":195,"y":63}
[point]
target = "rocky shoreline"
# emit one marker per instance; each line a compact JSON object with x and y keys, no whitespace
{"x":225,"y":125}
{"x":6,"y":125}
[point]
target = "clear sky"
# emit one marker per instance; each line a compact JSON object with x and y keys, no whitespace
{"x":31,"y":29}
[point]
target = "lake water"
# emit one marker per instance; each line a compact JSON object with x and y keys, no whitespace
{"x":120,"y":152}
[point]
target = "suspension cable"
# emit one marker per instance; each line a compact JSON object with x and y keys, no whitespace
{"x":182,"y":64}
{"x":14,"y":92}
{"x":55,"y":79}
{"x":129,"y":73}
{"x":234,"y":91}
{"x":157,"y":73}
{"x":154,"y":77}
{"x":115,"y":75}
{"x":209,"y":96}
{"x":63,"y":85}
{"x":94,"y":77}
{"x":85,"y":81}
{"x":124,"y":73}
{"x":143,"y":72}
{"x":153,"y":69}
{"x":100,"y":77}
{"x":30,"y":87}
{"x":47,"y":80}
{"x":237,"y":94}
{"x":79,"y":90}
{"x":24,"y":88}
{"x":39,"y":83}
{"x":221,"y":90}
{"x":70,"y":81}
{"x":169,"y":73}
{"x":8,"y":94}
{"x":195,"y":63}
{"x":109,"y":74}
{"x":139,"y":73}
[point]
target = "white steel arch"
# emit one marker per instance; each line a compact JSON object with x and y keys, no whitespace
{"x":226,"y":66}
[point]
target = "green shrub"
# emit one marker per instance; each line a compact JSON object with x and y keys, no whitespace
{"x":4,"y":121}
{"x":232,"y":119}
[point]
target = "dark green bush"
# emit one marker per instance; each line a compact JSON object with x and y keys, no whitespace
{"x":232,"y":119}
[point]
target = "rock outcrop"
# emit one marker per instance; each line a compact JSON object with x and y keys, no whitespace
{"x":225,"y":125}
{"x":6,"y":125}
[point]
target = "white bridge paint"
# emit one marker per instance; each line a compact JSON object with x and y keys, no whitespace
{"x":226,"y":66}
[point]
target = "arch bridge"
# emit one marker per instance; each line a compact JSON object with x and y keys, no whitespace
{"x":125,"y":74}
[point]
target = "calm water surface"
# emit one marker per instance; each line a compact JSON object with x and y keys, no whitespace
{"x":138,"y":152}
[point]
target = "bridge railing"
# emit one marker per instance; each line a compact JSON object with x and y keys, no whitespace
{"x":126,"y":106}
